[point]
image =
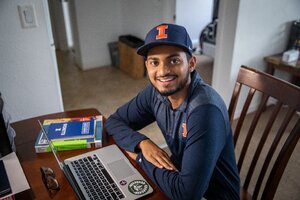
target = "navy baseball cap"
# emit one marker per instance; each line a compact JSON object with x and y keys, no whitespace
{"x":167,"y":34}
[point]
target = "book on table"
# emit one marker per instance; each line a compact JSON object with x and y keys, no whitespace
{"x":69,"y":143}
{"x":71,"y":130}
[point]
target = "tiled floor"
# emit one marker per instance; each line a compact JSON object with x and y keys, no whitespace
{"x":107,"y":88}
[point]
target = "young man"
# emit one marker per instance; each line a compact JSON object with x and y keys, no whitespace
{"x":192,"y":117}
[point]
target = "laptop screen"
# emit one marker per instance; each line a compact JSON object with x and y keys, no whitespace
{"x":51,"y":145}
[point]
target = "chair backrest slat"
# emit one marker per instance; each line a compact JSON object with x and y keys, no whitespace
{"x":234,"y":100}
{"x":243,"y":114}
{"x":261,"y":143}
{"x":251,"y":131}
{"x":272,"y":149}
{"x":281,"y":162}
{"x":274,"y":141}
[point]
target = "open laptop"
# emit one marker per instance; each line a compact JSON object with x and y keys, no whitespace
{"x":113,"y":177}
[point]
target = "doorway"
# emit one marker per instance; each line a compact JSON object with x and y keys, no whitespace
{"x":61,"y":24}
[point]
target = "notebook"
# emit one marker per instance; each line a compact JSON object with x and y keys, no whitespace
{"x":104,"y":173}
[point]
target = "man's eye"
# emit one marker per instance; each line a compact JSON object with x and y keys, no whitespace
{"x":175,"y":61}
{"x":153,"y":63}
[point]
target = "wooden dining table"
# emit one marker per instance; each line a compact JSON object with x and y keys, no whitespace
{"x":26,"y":134}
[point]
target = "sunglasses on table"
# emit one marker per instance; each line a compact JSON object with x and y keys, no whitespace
{"x":49,"y":180}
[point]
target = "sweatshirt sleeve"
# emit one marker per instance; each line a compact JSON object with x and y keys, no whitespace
{"x":206,"y":135}
{"x":124,"y":124}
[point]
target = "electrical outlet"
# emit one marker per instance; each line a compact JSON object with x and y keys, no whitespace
{"x":27,"y":16}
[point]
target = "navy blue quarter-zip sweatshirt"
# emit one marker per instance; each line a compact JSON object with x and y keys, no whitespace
{"x":198,"y":134}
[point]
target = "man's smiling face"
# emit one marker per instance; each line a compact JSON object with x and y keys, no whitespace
{"x":168,"y":69}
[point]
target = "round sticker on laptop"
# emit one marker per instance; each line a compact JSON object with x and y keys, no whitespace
{"x":123,"y":182}
{"x":138,"y":187}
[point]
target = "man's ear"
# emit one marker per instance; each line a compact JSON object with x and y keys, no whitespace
{"x":192,"y":63}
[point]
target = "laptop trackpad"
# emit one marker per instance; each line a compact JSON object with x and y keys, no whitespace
{"x":120,"y":169}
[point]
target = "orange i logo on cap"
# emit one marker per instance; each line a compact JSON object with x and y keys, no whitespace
{"x":161,"y":32}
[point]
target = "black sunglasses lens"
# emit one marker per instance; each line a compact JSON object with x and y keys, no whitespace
{"x":48,"y":177}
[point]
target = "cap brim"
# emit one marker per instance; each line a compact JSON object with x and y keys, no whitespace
{"x":143,"y":50}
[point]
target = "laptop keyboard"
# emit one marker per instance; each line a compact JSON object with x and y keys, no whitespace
{"x":95,"y":179}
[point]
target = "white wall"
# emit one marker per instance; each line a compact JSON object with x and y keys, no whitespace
{"x":194,"y":15}
{"x":247,"y":32}
{"x":226,"y":32}
{"x":28,"y":78}
{"x":67,"y":21}
{"x":139,"y":16}
{"x":100,"y":22}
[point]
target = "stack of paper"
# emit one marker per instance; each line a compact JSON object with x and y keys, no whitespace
{"x":17,"y":180}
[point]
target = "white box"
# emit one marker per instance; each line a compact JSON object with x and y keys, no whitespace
{"x":290,"y":56}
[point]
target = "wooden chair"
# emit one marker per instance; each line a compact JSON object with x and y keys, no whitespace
{"x":283,"y":140}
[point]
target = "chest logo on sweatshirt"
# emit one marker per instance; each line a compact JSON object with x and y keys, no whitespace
{"x":184,"y":132}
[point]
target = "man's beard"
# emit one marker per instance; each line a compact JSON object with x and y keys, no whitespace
{"x":179,"y":87}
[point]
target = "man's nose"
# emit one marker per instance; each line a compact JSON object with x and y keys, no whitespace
{"x":163,"y":69}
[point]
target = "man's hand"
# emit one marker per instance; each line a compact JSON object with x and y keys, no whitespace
{"x":156,"y":155}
